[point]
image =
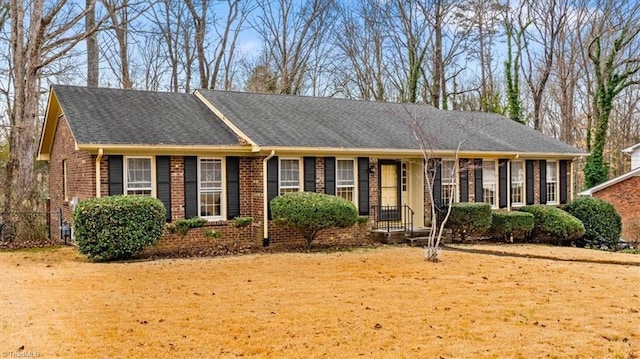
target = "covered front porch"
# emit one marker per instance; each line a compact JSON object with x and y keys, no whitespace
{"x":398,"y":197}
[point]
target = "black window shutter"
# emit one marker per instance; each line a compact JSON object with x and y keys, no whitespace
{"x":163,"y":182}
{"x":563,"y":181}
{"x":233,"y":187}
{"x":363,"y":186}
{"x":330,"y":175}
{"x":116,"y":185}
{"x":529,"y":177}
{"x":272,"y":182}
{"x":502,"y":181}
{"x":309,"y":174}
{"x":464,"y":180}
{"x":190,"y":186}
{"x":543,"y":182}
{"x":477,"y":176}
{"x":437,"y":183}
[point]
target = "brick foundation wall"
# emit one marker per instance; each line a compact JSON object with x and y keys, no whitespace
{"x":625,"y":197}
{"x":198,"y":241}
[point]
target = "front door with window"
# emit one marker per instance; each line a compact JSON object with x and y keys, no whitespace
{"x":389,"y":190}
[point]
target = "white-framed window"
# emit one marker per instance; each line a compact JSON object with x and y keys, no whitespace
{"x":552,"y":182}
{"x":345,"y":179}
{"x":448,"y":183}
{"x":210,"y":188}
{"x":289,"y":176}
{"x":489,"y":183}
{"x":517,"y":183}
{"x":139,"y":174}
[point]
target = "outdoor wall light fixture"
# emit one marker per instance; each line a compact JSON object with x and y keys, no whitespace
{"x":372,"y":168}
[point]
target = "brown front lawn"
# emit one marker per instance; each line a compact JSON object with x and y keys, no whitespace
{"x":479,"y":302}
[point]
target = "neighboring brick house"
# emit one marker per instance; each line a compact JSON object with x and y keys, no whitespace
{"x":218,"y":155}
{"x":624,"y":193}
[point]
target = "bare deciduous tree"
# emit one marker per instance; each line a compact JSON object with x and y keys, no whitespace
{"x":47,"y":34}
{"x":290,"y":31}
{"x":481,"y":19}
{"x":542,"y":37}
{"x":360,"y":38}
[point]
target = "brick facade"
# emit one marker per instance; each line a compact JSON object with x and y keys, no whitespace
{"x":625,"y":197}
{"x":81,"y":185}
{"x":80,"y":174}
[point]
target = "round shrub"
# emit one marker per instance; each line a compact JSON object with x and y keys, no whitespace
{"x":553,"y":225}
{"x":117,"y":227}
{"x":469,"y":218}
{"x":602,"y":223}
{"x":311,"y":212}
{"x":511,"y":224}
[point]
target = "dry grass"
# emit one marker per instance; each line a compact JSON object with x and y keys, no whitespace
{"x":382,"y":303}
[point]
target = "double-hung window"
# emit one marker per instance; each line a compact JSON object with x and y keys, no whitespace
{"x":517,"y":183}
{"x":138,"y":178}
{"x":210,"y":188}
{"x":448,"y":183}
{"x":552,"y":182}
{"x":289,"y":175}
{"x":345,"y":179}
{"x":489,"y":182}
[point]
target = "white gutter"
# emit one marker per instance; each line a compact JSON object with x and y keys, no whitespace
{"x":98,"y":160}
{"x":265,"y":208}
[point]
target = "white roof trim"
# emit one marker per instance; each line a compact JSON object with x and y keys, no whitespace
{"x":610,"y":182}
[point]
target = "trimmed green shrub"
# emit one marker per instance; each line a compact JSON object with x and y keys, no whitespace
{"x":183,"y":225}
{"x":242,"y":222}
{"x":511,"y":224}
{"x":469,"y":219}
{"x":311,"y":212}
{"x":553,"y":225}
{"x":602,"y":223}
{"x":117,"y":227}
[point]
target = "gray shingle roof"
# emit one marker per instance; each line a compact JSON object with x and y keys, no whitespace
{"x":132,"y":117}
{"x":297,"y":121}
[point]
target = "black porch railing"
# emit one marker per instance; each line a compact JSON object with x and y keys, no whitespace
{"x":393,"y":218}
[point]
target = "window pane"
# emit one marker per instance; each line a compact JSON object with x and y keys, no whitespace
{"x":138,"y":176}
{"x":345,"y":192}
{"x":517,"y":182}
{"x":345,"y":179}
{"x":448,"y":185}
{"x":210,"y":204}
{"x":551,"y":171}
{"x":344,"y":173}
{"x":448,"y":171}
{"x":210,"y":187}
{"x":210,"y":173}
{"x":489,"y":182}
{"x":552,"y":177}
{"x":289,"y":175}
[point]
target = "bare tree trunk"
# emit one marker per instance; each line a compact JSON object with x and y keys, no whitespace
{"x":93,"y":52}
{"x":551,"y":16}
{"x":200,"y":28}
{"x":48,"y":39}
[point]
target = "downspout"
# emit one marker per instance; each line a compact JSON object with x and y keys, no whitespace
{"x":98,"y":179}
{"x":265,"y":208}
{"x":509,"y":206}
{"x":571,"y":184}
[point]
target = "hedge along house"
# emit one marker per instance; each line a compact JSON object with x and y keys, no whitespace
{"x":218,"y":155}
